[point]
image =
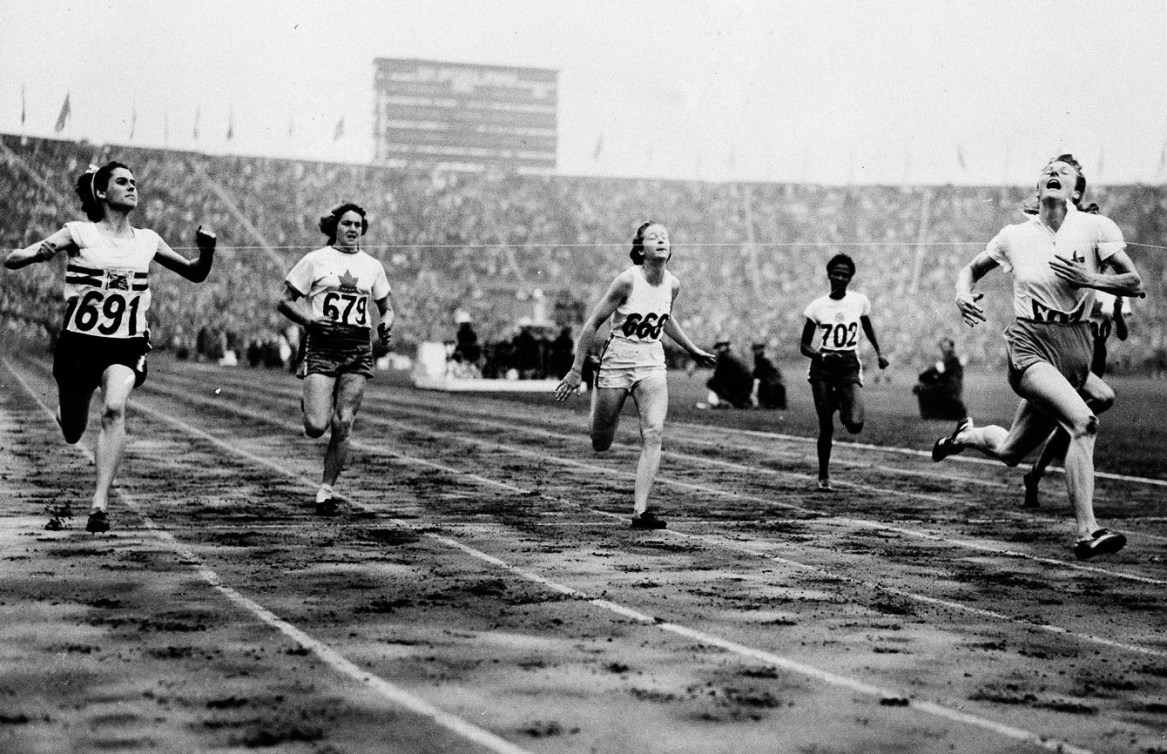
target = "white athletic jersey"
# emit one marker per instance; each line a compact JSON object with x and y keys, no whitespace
{"x":838,"y":320}
{"x":1026,"y":249}
{"x":642,"y":316}
{"x":107,"y":286}
{"x":338,"y":284}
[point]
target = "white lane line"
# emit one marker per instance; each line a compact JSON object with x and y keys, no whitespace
{"x":844,"y":445}
{"x":745,"y":468}
{"x":835,"y":679}
{"x":326,"y":654}
{"x":376,"y":450}
{"x":778,"y":661}
{"x":703,"y":489}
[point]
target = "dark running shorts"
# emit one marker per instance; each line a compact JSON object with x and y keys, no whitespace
{"x":333,"y":350}
{"x":1068,"y":347}
{"x":80,"y":360}
{"x":842,"y":369}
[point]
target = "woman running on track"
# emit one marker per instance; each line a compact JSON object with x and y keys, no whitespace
{"x":337,"y":282}
{"x":1058,"y":259}
{"x":835,"y":374}
{"x":105,"y":335}
{"x":640,"y":304}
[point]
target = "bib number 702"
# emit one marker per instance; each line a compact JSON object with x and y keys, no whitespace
{"x":840,"y":335}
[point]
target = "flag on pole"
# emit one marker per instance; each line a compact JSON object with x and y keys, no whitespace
{"x":599,"y":146}
{"x":63,"y":118}
{"x":230,"y":125}
{"x":339,"y":129}
{"x":960,"y":159}
{"x":133,"y":120}
{"x":195,"y":132}
{"x":22,"y":107}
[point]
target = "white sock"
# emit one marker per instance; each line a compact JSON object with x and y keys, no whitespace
{"x":324,"y":493}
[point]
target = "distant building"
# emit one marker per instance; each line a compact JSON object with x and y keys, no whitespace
{"x":465,"y":117}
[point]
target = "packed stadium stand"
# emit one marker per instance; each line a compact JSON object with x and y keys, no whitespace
{"x":750,"y":256}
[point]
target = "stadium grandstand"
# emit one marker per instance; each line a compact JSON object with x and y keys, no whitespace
{"x":750,"y":254}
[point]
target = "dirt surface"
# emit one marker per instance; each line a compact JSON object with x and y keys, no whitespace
{"x":481,"y":591}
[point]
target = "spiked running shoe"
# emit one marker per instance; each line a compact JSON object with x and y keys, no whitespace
{"x":1101,"y":542}
{"x":98,"y":522}
{"x":648,"y":520}
{"x":948,"y":446}
{"x":327,"y":507}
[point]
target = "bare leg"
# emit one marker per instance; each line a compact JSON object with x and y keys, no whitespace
{"x":1048,"y":397}
{"x":606,"y":405}
{"x":73,"y":415}
{"x":1099,"y":397}
{"x":116,"y":385}
{"x":318,"y":404}
{"x":350,"y":391}
{"x":652,"y":403}
{"x":824,"y":406}
{"x":852,"y":410}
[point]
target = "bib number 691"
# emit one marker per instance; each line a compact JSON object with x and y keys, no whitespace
{"x":105,"y":313}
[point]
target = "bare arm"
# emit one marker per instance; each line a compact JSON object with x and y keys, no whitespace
{"x":290,"y":307}
{"x":194,"y":270}
{"x":869,"y":331}
{"x":674,"y":330}
{"x":385,"y":328}
{"x":617,"y":293}
{"x":1120,"y":328}
{"x":41,"y":252}
{"x":806,"y":344}
{"x":966,"y":280}
{"x":1124,"y":281}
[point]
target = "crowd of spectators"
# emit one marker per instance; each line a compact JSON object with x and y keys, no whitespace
{"x":750,"y":256}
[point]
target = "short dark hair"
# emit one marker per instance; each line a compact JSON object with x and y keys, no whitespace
{"x":329,"y":222}
{"x":637,"y":252}
{"x":841,"y":259}
{"x":90,"y":182}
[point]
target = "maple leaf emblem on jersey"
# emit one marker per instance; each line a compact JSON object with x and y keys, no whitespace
{"x":348,"y":282}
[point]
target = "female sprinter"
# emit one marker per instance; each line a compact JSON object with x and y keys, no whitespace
{"x":835,"y":375}
{"x":105,"y":336}
{"x":337,"y":282}
{"x":1058,"y":259}
{"x":640,"y":304}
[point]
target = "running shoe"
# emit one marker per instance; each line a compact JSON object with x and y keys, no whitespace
{"x":648,"y":520}
{"x":98,"y":522}
{"x":327,"y":507}
{"x":1101,"y":542}
{"x":948,"y":446}
{"x":54,"y":524}
{"x":824,"y":485}
{"x":1030,"y":483}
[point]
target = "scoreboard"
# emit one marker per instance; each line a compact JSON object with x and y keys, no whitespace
{"x":465,"y":117}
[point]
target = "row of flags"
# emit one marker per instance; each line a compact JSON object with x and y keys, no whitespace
{"x":67,"y":112}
